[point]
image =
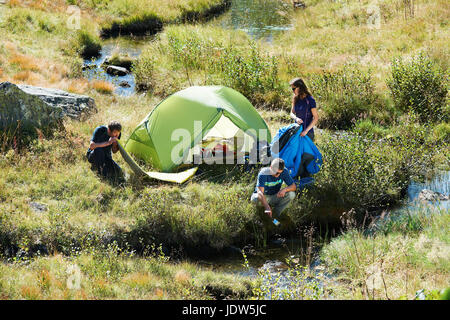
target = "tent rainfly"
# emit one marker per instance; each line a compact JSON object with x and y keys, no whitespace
{"x":189,"y":116}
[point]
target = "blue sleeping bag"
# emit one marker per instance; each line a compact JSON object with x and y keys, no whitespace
{"x":296,"y":149}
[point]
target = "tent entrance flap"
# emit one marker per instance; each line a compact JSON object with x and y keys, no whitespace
{"x":178,"y":177}
{"x":224,"y":140}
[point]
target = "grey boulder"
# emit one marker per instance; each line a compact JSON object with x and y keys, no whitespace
{"x":116,"y":71}
{"x":73,"y":105}
{"x":24,"y":107}
{"x":23,"y":112}
{"x":429,"y":195}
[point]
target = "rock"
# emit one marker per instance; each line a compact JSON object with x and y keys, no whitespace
{"x":88,"y":67}
{"x":116,"y":71}
{"x":298,"y":4}
{"x":429,"y":195}
{"x":38,"y":207}
{"x":73,"y":105}
{"x":16,"y":106}
{"x":124,"y":84}
{"x":123,"y":62}
{"x":274,"y":266}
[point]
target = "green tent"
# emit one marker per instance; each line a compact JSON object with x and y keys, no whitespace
{"x":183,"y":119}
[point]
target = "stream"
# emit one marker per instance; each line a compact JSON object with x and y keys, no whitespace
{"x":262,"y":20}
{"x":272,"y":263}
{"x":124,"y":85}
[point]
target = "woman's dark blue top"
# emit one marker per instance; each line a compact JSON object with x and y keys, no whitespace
{"x":302,"y":109}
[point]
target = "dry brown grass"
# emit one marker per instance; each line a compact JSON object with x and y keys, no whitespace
{"x":27,"y":76}
{"x":10,"y":46}
{"x":139,"y":279}
{"x":182,"y":277}
{"x":102,"y":86}
{"x":24,"y":62}
{"x":31,"y":293}
{"x":44,"y":5}
{"x":78,"y":86}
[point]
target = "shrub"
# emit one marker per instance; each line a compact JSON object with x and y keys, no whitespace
{"x":421,"y":86}
{"x":344,"y":96}
{"x":357,"y":173}
{"x":191,"y":56}
{"x":441,"y":133}
{"x":369,"y":129}
{"x":250,"y":73}
{"x":144,"y":24}
{"x":245,"y":69}
{"x":366,"y":174}
{"x":86,"y":44}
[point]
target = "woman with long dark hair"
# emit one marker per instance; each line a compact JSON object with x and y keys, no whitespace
{"x":304,"y":109}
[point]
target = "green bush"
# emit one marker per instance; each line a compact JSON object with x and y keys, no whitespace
{"x":357,"y":173}
{"x":143,"y":70}
{"x":344,"y":96}
{"x":250,"y":73}
{"x":144,"y":24}
{"x":441,"y":132}
{"x":193,"y":57}
{"x":369,"y":129}
{"x":421,"y":86}
{"x":366,"y":174}
{"x":86,"y":44}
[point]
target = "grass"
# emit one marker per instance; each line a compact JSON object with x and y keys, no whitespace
{"x":97,"y":224}
{"x":199,"y":55}
{"x":336,"y":34}
{"x":114,"y":274}
{"x":148,"y":17}
{"x":399,"y":258}
{"x":102,"y":86}
{"x":123,"y":61}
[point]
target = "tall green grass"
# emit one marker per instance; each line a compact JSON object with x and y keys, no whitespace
{"x":421,"y":86}
{"x":148,"y":18}
{"x":195,"y":55}
{"x":403,"y":255}
{"x":112,"y":273}
{"x":345,"y":96}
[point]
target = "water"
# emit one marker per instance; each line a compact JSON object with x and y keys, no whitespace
{"x":440,"y":183}
{"x":261,"y":19}
{"x":272,"y":263}
{"x":129,"y":48}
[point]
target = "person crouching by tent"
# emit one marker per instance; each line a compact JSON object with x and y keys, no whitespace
{"x":268,"y":192}
{"x":103,"y":141}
